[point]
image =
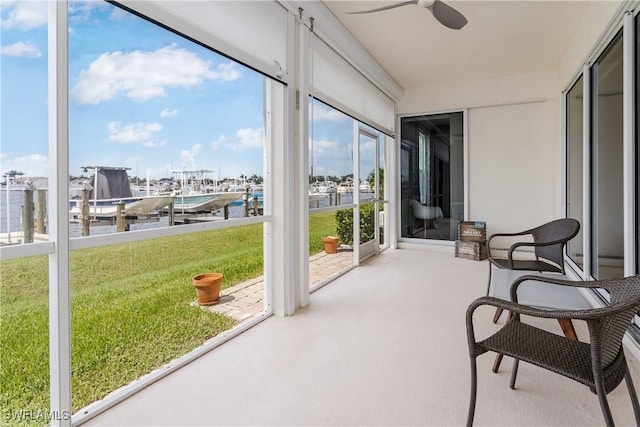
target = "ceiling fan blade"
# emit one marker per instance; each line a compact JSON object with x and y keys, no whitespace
{"x":448,"y":16}
{"x":391,"y":6}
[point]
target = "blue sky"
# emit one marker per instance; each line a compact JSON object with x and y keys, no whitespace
{"x":140,"y":97}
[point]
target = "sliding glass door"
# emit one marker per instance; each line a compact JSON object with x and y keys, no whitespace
{"x":432,"y":176}
{"x":607,"y":178}
{"x":575,"y":169}
{"x":368,"y":204}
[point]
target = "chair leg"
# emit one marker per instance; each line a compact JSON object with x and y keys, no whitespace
{"x":424,"y":224}
{"x":632,"y":394}
{"x":437,"y":228}
{"x":474,"y":389}
{"x":498,"y":361}
{"x":497,"y":314}
{"x":514,"y":372}
{"x":567,"y":328}
{"x":604,"y":404}
{"x":489,"y":281}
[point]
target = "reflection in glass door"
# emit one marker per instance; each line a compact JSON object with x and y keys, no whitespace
{"x":575,"y":172}
{"x":381,"y":192}
{"x":432,"y":176}
{"x":365,"y":188}
{"x":607,"y":241}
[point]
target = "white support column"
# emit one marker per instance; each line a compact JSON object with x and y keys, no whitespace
{"x":300,"y":202}
{"x":274,"y":101}
{"x":629,"y":141}
{"x":391,"y":178}
{"x":59,"y":277}
{"x":278,"y":237}
{"x":564,"y":196}
{"x":286,"y":236}
{"x":356,"y":192}
{"x":586,"y":171}
{"x":465,"y":156}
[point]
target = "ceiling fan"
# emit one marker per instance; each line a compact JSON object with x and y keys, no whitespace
{"x":445,"y":14}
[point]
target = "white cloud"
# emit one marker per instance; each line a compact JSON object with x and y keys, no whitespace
{"x":22,"y":50}
{"x":322,"y":112}
{"x":153,"y":144}
{"x":31,"y":164}
{"x":168,"y":113}
{"x":189,"y":156}
{"x":368,"y":145}
{"x":216,"y":144}
{"x":25,"y":15}
{"x":132,"y":133}
{"x":248,"y":138}
{"x":226,"y":72}
{"x":143,"y":75}
{"x":323,"y":145}
{"x":81,"y":11}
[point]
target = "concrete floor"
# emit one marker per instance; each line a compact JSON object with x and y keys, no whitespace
{"x":384,"y":344}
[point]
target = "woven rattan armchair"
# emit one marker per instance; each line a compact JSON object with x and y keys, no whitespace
{"x":548,"y":243}
{"x":599,"y":364}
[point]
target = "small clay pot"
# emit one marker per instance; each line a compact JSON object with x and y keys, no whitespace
{"x":331,"y":244}
{"x":208,"y":288}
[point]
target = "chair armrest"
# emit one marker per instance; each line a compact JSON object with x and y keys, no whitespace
{"x":549,"y":243}
{"x":522,"y":233}
{"x":527,"y":310}
{"x":520,"y":309}
{"x":560,"y":282}
{"x":516,"y":245}
{"x":591,"y":314}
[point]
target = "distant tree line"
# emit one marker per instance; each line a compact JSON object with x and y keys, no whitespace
{"x":336,"y":179}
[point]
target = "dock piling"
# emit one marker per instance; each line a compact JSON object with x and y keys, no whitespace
{"x":84,"y":208}
{"x":27,"y":215}
{"x":245,"y":197}
{"x":121,"y":218}
{"x":41,"y":208}
{"x":171,"y":217}
{"x":255,"y":206}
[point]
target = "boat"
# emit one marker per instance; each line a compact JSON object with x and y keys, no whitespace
{"x":107,"y":208}
{"x":365,"y":187}
{"x":346,"y":186}
{"x":207,"y":202}
{"x":190,"y":193}
{"x":327,"y":187}
{"x":316,"y":197}
{"x":323,"y":187}
{"x":109,"y":188}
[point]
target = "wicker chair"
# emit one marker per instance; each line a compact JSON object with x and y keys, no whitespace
{"x":599,"y":364}
{"x":548,"y":242}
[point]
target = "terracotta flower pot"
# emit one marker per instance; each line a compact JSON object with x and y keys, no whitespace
{"x":331,"y":244}
{"x":208,"y":288}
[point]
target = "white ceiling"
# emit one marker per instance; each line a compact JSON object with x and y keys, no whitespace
{"x":501,"y":38}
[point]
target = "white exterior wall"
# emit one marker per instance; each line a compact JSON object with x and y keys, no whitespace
{"x":594,"y":21}
{"x":515,"y":155}
{"x":515,"y":140}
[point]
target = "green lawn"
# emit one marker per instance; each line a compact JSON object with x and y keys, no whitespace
{"x":130,"y":310}
{"x":320,"y":225}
